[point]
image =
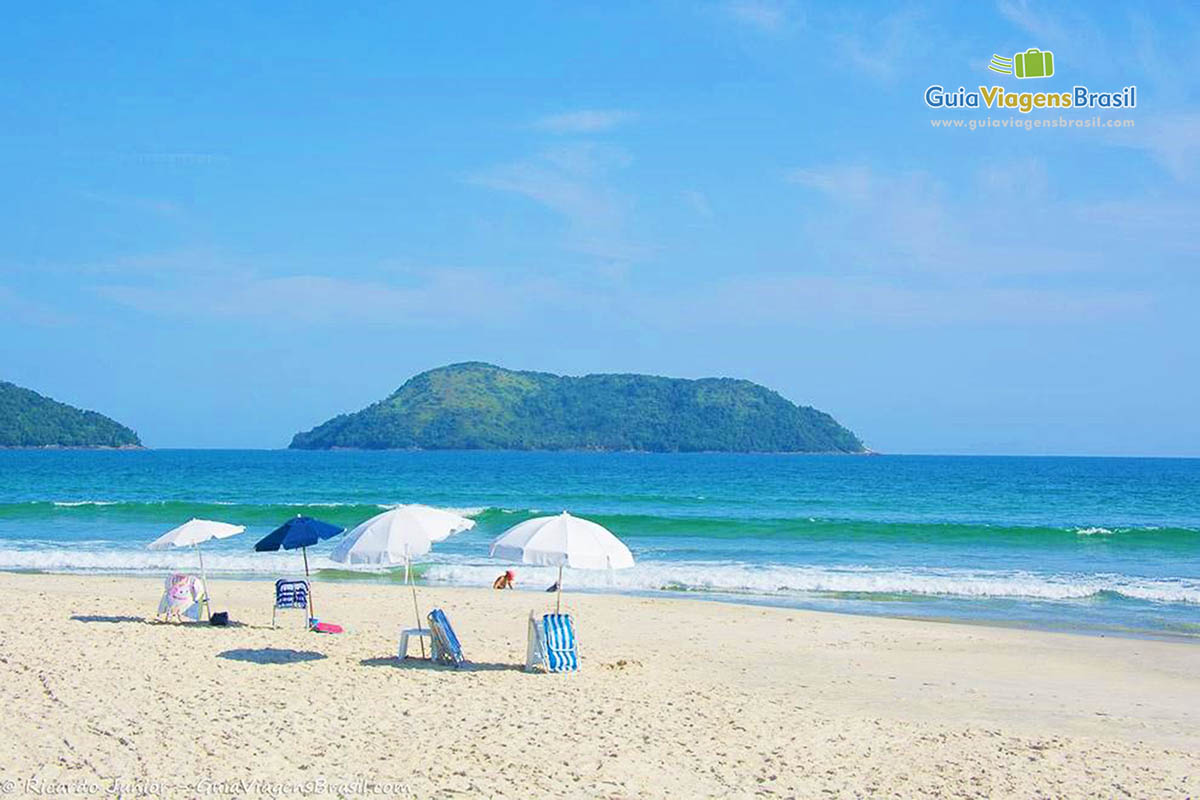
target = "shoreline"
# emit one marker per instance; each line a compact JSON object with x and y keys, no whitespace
{"x":73,"y":447}
{"x":601,"y":450}
{"x":724,"y":598}
{"x":685,"y":698}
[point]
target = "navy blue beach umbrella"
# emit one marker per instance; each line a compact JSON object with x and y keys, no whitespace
{"x":298,"y":532}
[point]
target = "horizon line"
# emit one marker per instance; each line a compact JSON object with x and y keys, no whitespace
{"x":869,"y":453}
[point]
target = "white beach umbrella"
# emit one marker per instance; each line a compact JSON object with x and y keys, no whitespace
{"x":562,"y":541}
{"x":396,"y":537}
{"x":193,"y":533}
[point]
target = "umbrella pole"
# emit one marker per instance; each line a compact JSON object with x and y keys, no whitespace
{"x":311,"y":615}
{"x":416,"y":610}
{"x":204,"y":601}
{"x":558,"y":601}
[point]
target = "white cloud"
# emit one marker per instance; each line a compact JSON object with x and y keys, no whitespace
{"x":584,"y":121}
{"x":800,"y":300}
{"x":876,"y":220}
{"x":1021,"y":14}
{"x":1164,"y":226}
{"x":847,"y":183}
{"x":909,"y":222}
{"x":136,"y":205}
{"x":1079,"y":44}
{"x":1022,"y":176}
{"x":697,"y":201}
{"x":1172,"y":140}
{"x":433,"y":299}
{"x":1005,"y":246}
{"x":764,"y":16}
{"x":1169,"y":129}
{"x":881,"y":49}
{"x":27,"y":311}
{"x":194,"y":262}
{"x":430,"y":298}
{"x":574,"y":181}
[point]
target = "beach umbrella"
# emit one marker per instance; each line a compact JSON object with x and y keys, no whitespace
{"x":298,"y":532}
{"x":193,"y":533}
{"x":396,"y":537}
{"x":562,"y":541}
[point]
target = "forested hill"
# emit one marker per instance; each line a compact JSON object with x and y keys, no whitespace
{"x":481,"y":406}
{"x":27,"y":419}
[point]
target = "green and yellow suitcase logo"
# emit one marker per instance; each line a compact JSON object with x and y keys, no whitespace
{"x":1033,"y":63}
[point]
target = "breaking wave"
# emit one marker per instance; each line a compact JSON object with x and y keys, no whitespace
{"x":698,"y":577}
{"x":865,"y":581}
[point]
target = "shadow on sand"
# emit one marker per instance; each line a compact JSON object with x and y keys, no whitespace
{"x":271,"y":655}
{"x":187,"y":623}
{"x":420,"y":663}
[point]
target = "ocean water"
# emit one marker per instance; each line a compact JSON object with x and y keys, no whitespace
{"x":1101,"y":545}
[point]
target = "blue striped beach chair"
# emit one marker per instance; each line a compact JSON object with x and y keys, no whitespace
{"x":446,"y":649}
{"x":552,"y":645}
{"x":290,"y":594}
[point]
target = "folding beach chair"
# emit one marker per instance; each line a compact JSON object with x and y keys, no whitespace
{"x":290,"y":594}
{"x":552,"y":644}
{"x":446,"y":649}
{"x":183,"y":596}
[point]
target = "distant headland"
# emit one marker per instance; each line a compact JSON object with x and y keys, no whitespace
{"x":28,"y":419}
{"x":477,"y":406}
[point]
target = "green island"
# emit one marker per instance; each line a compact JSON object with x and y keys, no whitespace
{"x":477,"y":406}
{"x":28,"y":419}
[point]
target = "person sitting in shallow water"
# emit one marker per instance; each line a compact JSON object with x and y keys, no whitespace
{"x":505,"y":581}
{"x":553,"y":587}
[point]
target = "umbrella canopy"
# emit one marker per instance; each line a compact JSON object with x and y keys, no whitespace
{"x":297,"y":532}
{"x":563,"y":541}
{"x":193,"y":532}
{"x":398,"y":535}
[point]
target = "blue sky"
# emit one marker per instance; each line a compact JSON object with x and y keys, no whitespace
{"x":222,"y":224}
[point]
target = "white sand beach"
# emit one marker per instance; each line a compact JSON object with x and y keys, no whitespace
{"x":676,"y":698}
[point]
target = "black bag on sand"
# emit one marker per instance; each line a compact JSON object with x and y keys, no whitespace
{"x":221,"y":618}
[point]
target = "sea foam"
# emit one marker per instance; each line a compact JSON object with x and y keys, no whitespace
{"x":801,"y":580}
{"x":697,"y":576}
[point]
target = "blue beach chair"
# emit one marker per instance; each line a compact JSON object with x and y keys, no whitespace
{"x":290,"y":594}
{"x":446,"y":649}
{"x":552,"y":644}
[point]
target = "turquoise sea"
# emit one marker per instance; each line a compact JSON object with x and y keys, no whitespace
{"x":1103,"y":545}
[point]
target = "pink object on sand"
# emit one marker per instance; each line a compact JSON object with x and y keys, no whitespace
{"x":327,"y":627}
